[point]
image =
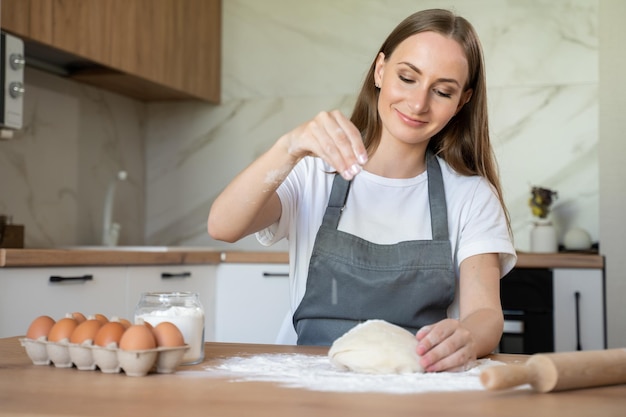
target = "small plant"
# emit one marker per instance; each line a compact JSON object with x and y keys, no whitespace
{"x":540,"y":201}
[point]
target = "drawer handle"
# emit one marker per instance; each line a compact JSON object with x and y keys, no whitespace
{"x":57,"y":278}
{"x":275,"y":274}
{"x":577,"y":307}
{"x":513,"y":327}
{"x":166,"y":275}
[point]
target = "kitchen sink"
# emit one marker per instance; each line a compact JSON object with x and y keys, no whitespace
{"x":122,"y":248}
{"x":141,"y":248}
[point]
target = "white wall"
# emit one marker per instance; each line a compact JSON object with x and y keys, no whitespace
{"x":55,"y":172}
{"x":612,"y":151}
{"x":286,"y":60}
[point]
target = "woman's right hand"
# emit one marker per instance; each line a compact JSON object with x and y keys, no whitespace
{"x":332,"y":137}
{"x":250,"y":203}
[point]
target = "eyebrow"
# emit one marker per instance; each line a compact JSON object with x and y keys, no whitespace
{"x":441,"y":80}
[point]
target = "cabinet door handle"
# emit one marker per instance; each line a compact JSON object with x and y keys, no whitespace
{"x":275,"y":274}
{"x":57,"y":278}
{"x":577,"y":307}
{"x":166,"y":275}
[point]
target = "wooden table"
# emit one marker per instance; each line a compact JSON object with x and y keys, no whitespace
{"x":29,"y":390}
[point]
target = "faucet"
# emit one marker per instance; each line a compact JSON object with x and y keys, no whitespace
{"x":110,"y":230}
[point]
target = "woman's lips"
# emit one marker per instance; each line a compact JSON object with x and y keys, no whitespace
{"x":410,"y":121}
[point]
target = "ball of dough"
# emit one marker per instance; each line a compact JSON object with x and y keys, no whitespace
{"x":376,"y":347}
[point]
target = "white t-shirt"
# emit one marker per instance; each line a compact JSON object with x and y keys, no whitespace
{"x":386,"y":211}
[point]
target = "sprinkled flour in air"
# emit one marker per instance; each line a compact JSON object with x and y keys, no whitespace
{"x":316,"y":373}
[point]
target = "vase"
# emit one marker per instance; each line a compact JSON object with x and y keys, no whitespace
{"x":543,"y":237}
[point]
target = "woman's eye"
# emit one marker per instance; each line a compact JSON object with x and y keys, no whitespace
{"x":405,"y":79}
{"x":443,"y":94}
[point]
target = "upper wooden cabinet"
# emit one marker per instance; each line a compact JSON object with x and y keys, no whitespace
{"x":146,"y":49}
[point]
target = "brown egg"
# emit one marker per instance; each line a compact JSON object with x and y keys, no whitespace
{"x":145,"y":323}
{"x":62,"y":329}
{"x":168,"y":335}
{"x":86,"y":330}
{"x":138,"y":337}
{"x":40,"y":327}
{"x":124,"y":322}
{"x":101,"y":317}
{"x":110,"y":332}
{"x":79,"y":317}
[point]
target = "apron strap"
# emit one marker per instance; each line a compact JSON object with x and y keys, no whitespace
{"x":337,"y":201}
{"x":436,"y":198}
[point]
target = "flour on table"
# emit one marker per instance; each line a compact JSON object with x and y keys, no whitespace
{"x":314,"y":372}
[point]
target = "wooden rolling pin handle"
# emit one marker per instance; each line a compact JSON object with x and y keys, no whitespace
{"x":560,"y":371}
{"x":506,"y":376}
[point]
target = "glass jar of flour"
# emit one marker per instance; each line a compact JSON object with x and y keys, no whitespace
{"x":180,"y":308}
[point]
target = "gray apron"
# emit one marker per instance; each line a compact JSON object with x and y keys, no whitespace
{"x":350,"y":280}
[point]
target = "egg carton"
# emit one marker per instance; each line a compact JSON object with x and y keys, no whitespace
{"x":109,"y":359}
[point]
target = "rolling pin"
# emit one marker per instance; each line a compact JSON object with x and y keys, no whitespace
{"x":547,"y":372}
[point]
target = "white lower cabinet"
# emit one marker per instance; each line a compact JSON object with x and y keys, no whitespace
{"x":251,"y":302}
{"x":579,"y":311}
{"x":174,"y":278}
{"x":26,"y":293}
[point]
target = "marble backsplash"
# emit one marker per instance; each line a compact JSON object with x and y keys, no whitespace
{"x":56,"y":171}
{"x":284,"y":61}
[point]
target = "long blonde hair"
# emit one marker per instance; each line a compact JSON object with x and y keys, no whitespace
{"x":464,"y":142}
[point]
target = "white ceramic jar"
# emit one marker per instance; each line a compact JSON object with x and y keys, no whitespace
{"x":180,"y":308}
{"x":543,"y":237}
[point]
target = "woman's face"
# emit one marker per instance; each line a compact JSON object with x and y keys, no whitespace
{"x":422,"y":86}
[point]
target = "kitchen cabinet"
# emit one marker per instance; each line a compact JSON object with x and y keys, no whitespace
{"x":26,"y":293}
{"x":145,"y":49}
{"x":579,"y":309}
{"x":169,"y":278}
{"x":16,"y":16}
{"x":553,"y":310}
{"x":251,"y":302}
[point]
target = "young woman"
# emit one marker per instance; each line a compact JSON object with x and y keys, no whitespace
{"x":395,"y":213}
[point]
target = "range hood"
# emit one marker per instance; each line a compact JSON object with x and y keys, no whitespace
{"x":56,"y":61}
{"x":52,"y":60}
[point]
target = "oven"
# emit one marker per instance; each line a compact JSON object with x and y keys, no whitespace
{"x":527,"y":304}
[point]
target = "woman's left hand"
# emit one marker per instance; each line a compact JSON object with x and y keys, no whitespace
{"x":445,"y":346}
